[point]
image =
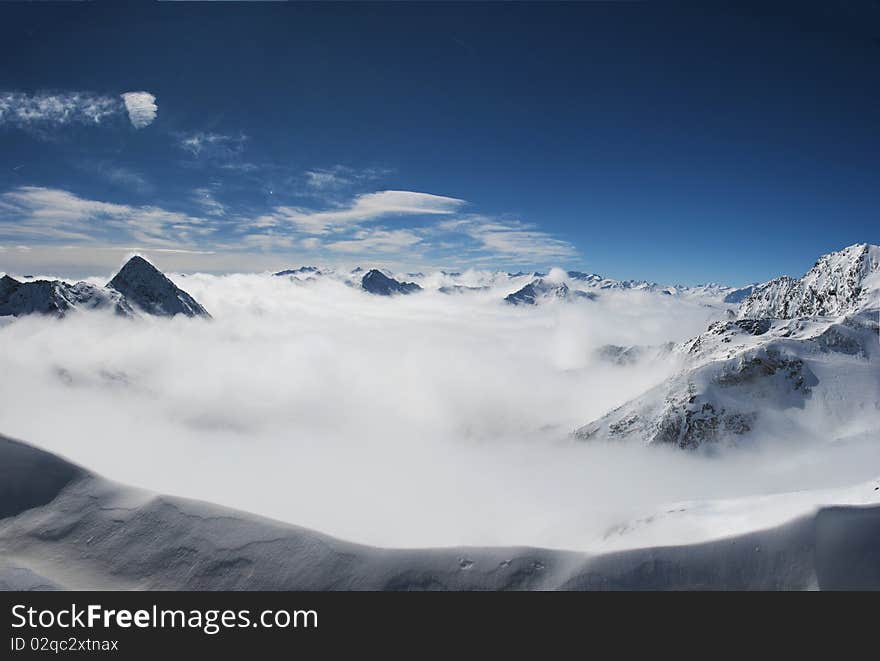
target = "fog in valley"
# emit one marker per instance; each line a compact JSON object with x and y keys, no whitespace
{"x":424,"y":420}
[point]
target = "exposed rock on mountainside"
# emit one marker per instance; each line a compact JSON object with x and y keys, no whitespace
{"x":57,"y":298}
{"x":839,"y":283}
{"x":378,"y":283}
{"x":302,"y":270}
{"x":541,"y":289}
{"x":146,"y":287}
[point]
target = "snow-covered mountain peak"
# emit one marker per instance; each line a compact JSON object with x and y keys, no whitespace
{"x":149,"y":289}
{"x":545,"y":289}
{"x":839,"y":283}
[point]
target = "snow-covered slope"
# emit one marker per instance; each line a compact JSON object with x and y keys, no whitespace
{"x":748,"y":375}
{"x":840,"y":282}
{"x":63,"y":527}
{"x":760,"y":373}
{"x":146,"y":287}
{"x":57,"y":298}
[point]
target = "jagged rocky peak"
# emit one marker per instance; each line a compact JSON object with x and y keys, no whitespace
{"x":57,"y":298}
{"x":378,"y":283}
{"x":302,"y":270}
{"x":543,"y":289}
{"x":146,"y":287}
{"x":839,"y":283}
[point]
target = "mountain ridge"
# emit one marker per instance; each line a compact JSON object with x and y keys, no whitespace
{"x":137,"y":287}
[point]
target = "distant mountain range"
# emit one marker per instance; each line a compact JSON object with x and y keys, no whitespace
{"x":532,"y":288}
{"x":139,"y":287}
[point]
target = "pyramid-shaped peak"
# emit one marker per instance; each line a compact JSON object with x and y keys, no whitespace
{"x":138,"y":264}
{"x":149,"y":289}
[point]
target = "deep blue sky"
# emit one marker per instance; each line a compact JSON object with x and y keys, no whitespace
{"x":678,"y":144}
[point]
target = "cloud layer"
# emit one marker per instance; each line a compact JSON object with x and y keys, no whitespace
{"x":420,"y":420}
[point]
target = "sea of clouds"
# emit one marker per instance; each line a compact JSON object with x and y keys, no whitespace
{"x":423,"y":420}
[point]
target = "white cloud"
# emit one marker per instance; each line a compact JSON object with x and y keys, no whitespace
{"x":141,"y":107}
{"x":62,"y":108}
{"x":366,"y":207}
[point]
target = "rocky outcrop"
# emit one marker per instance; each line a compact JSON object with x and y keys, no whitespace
{"x":376,"y":282}
{"x":57,"y":298}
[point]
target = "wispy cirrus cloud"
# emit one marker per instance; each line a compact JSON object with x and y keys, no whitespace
{"x":510,"y":239}
{"x":206,"y":199}
{"x":49,"y":214}
{"x":340,"y":176}
{"x":57,"y":109}
{"x":363,"y":208}
{"x":376,"y":240}
{"x":425,"y":226}
{"x":118,"y":175}
{"x":212,"y":146}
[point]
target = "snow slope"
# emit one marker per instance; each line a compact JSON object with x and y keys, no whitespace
{"x":63,"y":527}
{"x":748,"y":376}
{"x":808,"y":345}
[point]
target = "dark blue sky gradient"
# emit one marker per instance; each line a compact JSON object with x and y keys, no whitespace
{"x":679,"y":144}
